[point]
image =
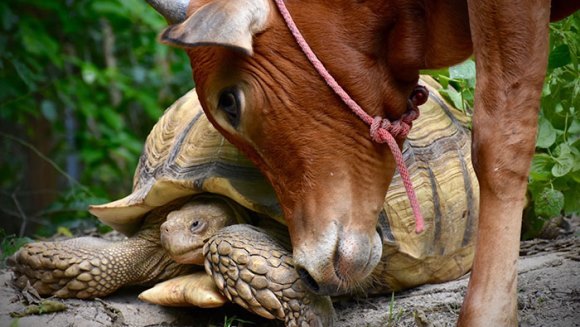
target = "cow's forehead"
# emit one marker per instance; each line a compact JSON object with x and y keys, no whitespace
{"x":278,"y":68}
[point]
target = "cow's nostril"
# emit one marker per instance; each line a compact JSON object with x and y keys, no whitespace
{"x":308,"y":280}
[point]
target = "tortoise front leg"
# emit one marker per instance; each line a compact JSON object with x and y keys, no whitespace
{"x":511,"y":46}
{"x":255,"y":271}
{"x":89,"y":267}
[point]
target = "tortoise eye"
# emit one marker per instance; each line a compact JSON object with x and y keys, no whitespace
{"x":196,"y":226}
{"x":229,"y":103}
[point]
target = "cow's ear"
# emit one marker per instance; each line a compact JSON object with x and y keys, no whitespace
{"x":221,"y":22}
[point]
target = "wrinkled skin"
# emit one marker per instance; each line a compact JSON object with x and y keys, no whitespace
{"x":90,"y":267}
{"x":186,"y":230}
{"x":328,"y":175}
{"x":331,"y":205}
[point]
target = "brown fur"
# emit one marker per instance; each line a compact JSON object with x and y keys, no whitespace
{"x":330,"y":177}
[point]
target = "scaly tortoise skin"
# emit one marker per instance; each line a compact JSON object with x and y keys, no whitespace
{"x":252,"y":269}
{"x":251,"y":266}
{"x":89,"y":267}
{"x":184,"y":156}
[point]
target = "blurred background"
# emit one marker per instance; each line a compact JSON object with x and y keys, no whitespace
{"x":82,"y":83}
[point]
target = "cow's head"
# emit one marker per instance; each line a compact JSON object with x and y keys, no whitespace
{"x":259,"y":90}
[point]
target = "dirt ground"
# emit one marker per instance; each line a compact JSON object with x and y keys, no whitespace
{"x":548,"y":294}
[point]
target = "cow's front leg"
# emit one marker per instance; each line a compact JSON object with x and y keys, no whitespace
{"x":511,"y":48}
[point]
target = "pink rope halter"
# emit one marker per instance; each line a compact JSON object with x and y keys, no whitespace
{"x":381,"y":129}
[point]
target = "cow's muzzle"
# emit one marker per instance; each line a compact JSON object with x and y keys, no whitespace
{"x":340,"y":262}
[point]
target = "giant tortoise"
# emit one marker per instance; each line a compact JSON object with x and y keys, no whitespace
{"x":187,"y":166}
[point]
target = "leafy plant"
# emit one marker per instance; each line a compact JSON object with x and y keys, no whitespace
{"x":81,"y":84}
{"x":458,"y":84}
{"x":554,"y":183}
{"x":9,"y":244}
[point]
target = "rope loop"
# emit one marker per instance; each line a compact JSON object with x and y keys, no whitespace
{"x":411,"y":114}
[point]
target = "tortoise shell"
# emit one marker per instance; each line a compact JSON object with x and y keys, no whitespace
{"x":185,"y":155}
{"x":437,"y":153}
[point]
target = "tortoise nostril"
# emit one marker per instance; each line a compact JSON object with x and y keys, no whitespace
{"x":308,"y":280}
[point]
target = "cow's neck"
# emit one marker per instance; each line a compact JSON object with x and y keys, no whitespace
{"x":376,"y":54}
{"x":428,"y":34}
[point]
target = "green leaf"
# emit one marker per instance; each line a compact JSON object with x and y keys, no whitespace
{"x":452,"y":95}
{"x":109,"y":8}
{"x":436,"y":72}
{"x":564,"y":160}
{"x":549,"y":203}
{"x":540,"y":170}
{"x":48,"y":109}
{"x":559,"y":57}
{"x":546,"y":90}
{"x":7,"y":17}
{"x":38,"y":42}
{"x":546,"y":134}
{"x":571,"y":203}
{"x":574,"y":127}
{"x":64,"y":231}
{"x":25,"y":74}
{"x":562,"y":150}
{"x":112,"y":118}
{"x":465,"y":71}
{"x":91,"y":155}
{"x":10,"y":244}
{"x":89,"y":73}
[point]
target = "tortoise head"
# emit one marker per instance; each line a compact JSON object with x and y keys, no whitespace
{"x":261,"y":93}
{"x":187,"y":229}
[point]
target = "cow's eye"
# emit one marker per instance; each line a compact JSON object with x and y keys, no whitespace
{"x":229,"y":103}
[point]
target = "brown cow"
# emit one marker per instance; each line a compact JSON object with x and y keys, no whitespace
{"x":259,"y":90}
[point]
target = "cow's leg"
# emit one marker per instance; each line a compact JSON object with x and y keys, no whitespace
{"x":510,"y":39}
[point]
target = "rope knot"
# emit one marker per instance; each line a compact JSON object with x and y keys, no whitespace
{"x":377,"y":124}
{"x":381,"y":126}
{"x":399,"y":128}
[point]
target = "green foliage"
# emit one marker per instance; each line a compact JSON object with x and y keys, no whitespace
{"x":235,"y":321}
{"x":93,"y":72}
{"x":458,"y":84}
{"x":9,"y":244}
{"x":549,"y":203}
{"x":89,"y":77}
{"x":394,"y":318}
{"x":554,"y":184}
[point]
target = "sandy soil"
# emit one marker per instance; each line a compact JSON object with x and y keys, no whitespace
{"x":548,"y":292}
